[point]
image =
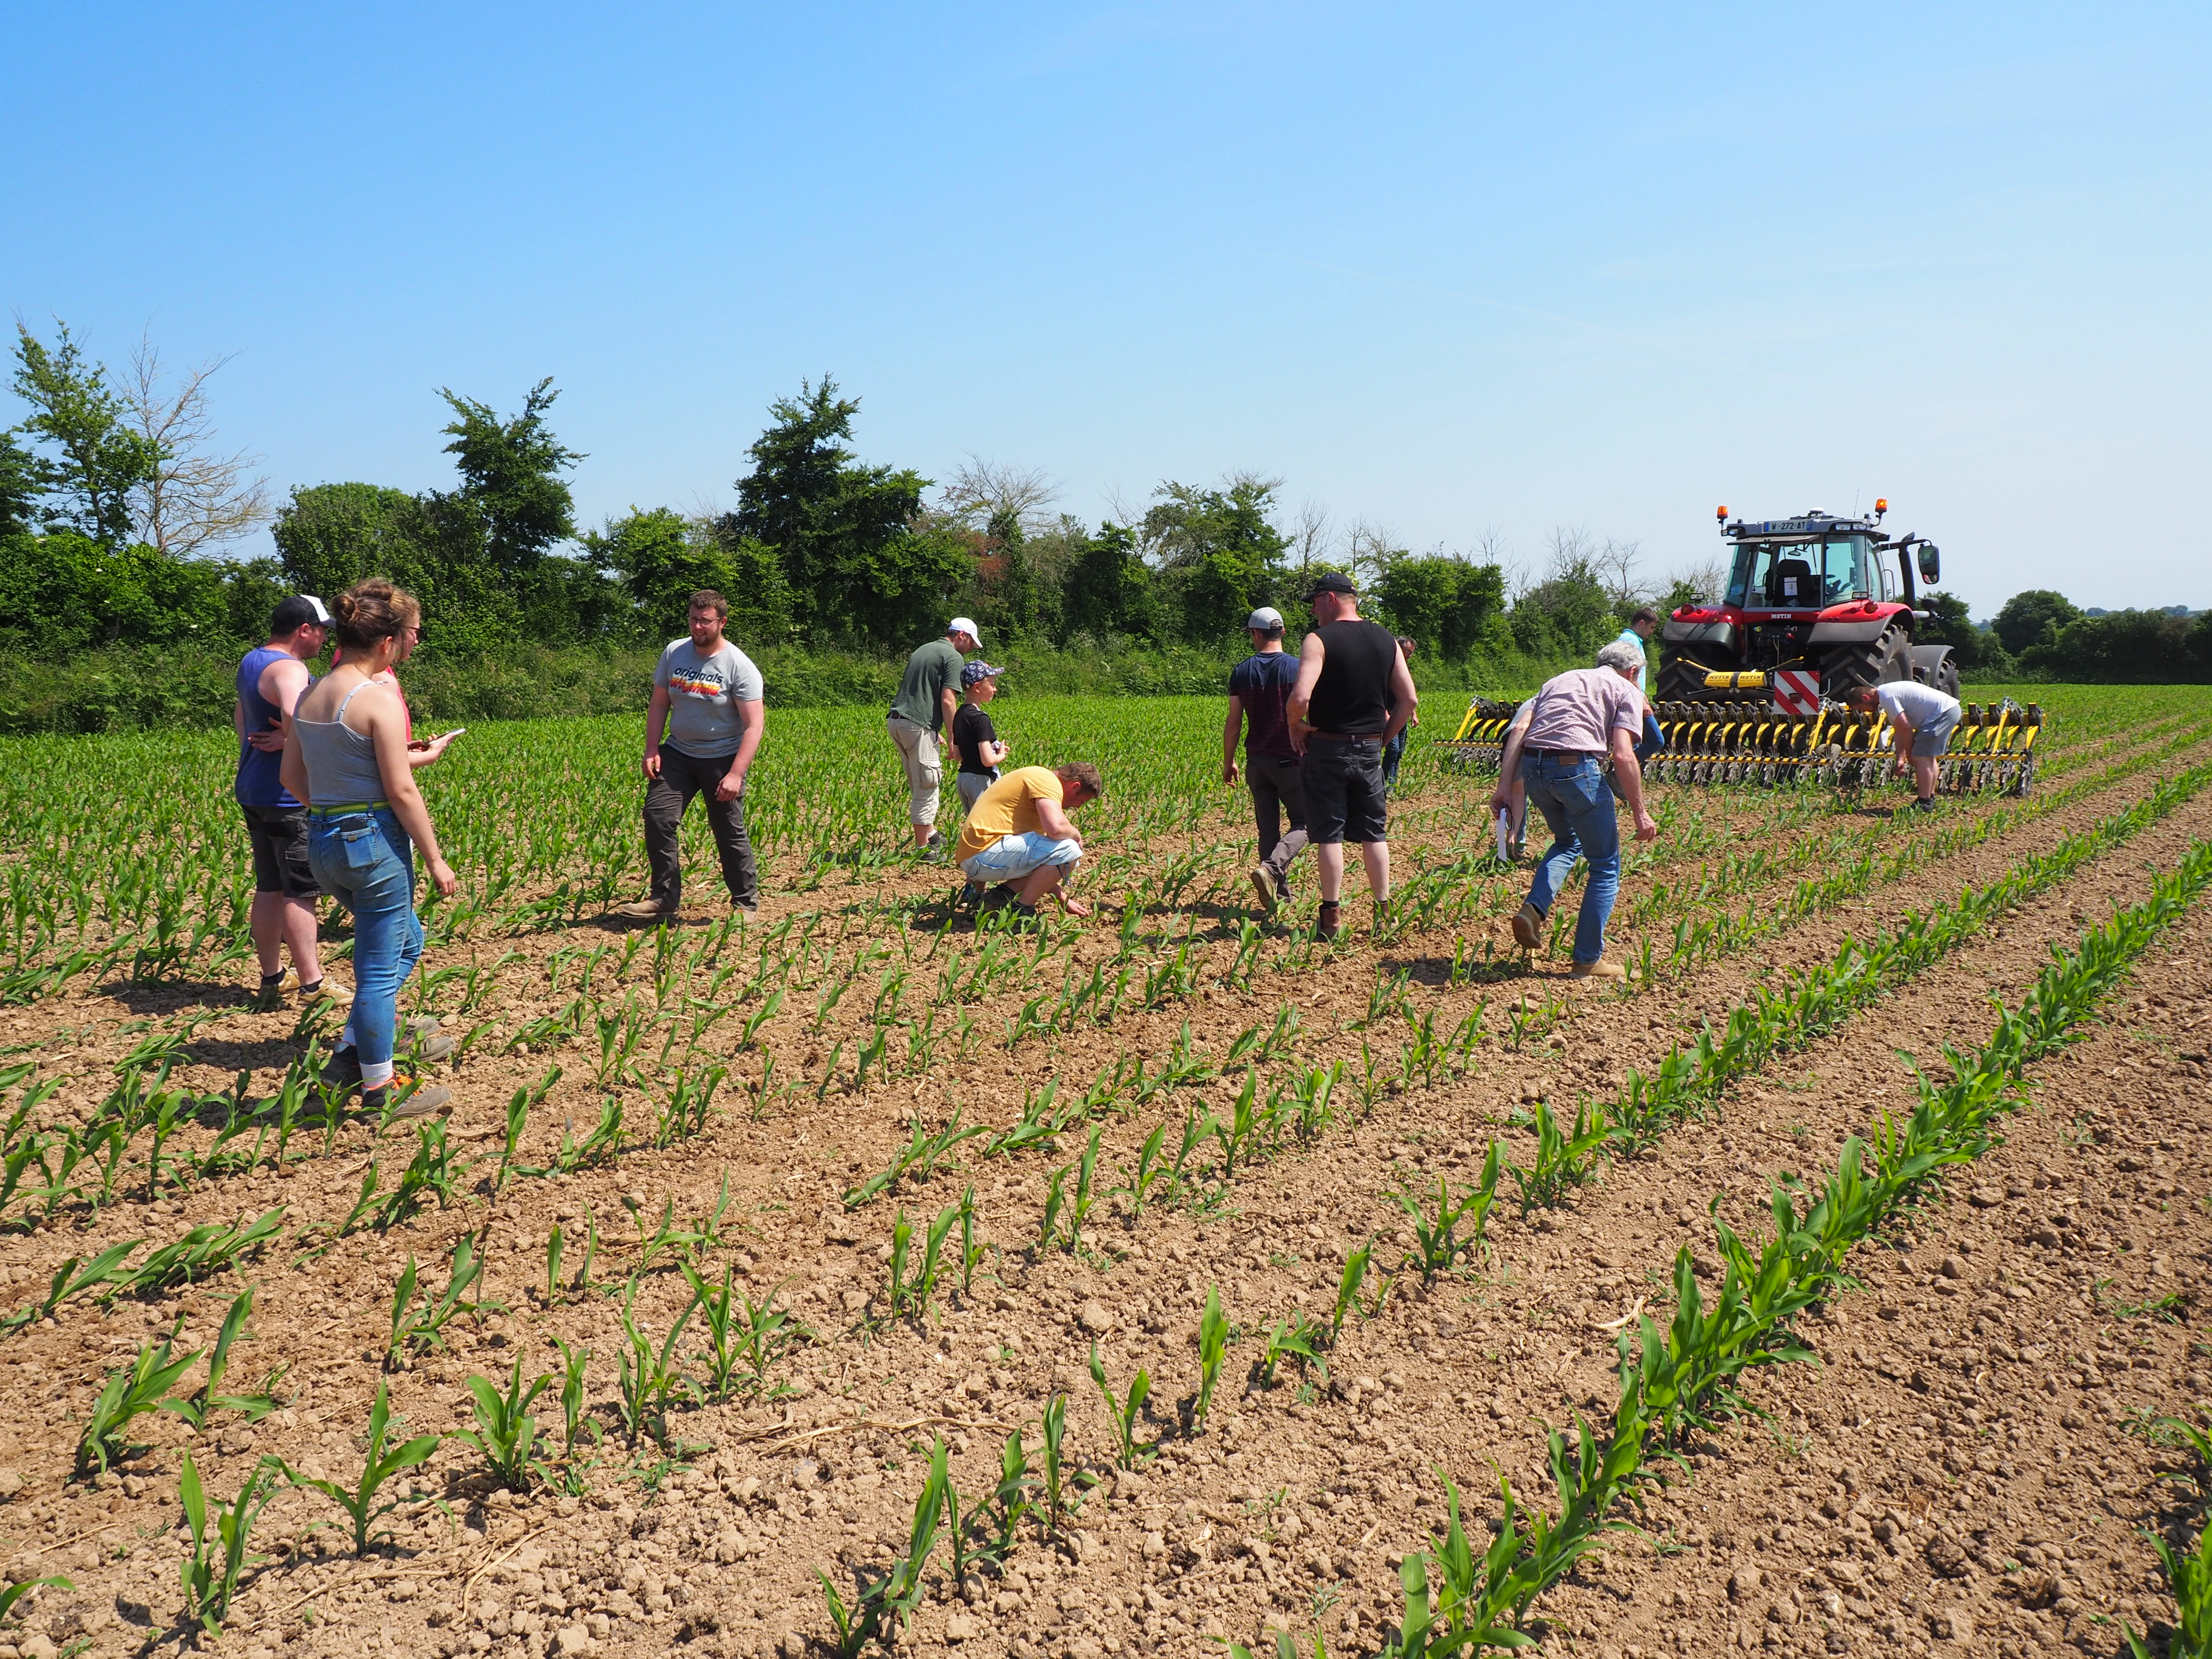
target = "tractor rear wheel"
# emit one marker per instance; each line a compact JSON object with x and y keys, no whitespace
{"x":1887,"y":657}
{"x":1947,"y":677}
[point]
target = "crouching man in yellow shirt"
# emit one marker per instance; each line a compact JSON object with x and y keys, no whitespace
{"x":1017,"y":835}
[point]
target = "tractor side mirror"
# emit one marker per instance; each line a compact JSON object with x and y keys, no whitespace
{"x":1931,"y":562}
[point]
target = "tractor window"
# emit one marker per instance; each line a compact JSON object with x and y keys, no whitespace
{"x":1849,"y":574}
{"x":1784,"y":575}
{"x":1754,"y":563}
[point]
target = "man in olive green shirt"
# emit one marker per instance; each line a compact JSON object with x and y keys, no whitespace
{"x":927,"y":697}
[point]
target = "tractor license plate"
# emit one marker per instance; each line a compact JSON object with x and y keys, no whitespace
{"x":1796,"y":692}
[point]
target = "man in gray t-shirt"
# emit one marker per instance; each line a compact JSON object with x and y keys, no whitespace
{"x":928,"y":695}
{"x":701,"y":732}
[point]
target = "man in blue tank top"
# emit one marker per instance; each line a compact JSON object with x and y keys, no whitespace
{"x":271,"y":678}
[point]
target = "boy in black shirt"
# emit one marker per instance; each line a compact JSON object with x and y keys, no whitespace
{"x":975,"y":739}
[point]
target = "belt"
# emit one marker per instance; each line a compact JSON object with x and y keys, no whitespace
{"x":348,"y":809}
{"x":1345,"y":736}
{"x":1566,"y":754}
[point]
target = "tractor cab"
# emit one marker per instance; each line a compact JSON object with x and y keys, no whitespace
{"x":1807,"y":571}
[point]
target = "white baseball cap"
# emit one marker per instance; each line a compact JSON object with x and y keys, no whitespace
{"x":1266,"y":619}
{"x":965,"y":625}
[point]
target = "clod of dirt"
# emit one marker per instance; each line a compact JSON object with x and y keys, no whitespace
{"x":1096,"y":1318}
{"x":1945,"y":1556}
{"x":1743,"y":1583}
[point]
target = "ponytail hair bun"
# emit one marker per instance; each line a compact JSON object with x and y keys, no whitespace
{"x":373,"y":609}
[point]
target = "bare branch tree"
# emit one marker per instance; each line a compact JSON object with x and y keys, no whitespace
{"x":1368,"y":545}
{"x":983,"y":490}
{"x":1703,"y":581}
{"x":1312,"y":537}
{"x":198,"y":496}
{"x":1613,"y":563}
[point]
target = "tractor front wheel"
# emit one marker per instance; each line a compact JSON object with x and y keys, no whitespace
{"x":1887,"y":657}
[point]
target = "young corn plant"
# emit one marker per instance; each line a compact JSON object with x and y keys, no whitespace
{"x":1056,"y":1492}
{"x":131,"y":1391}
{"x":884,"y":1604}
{"x":651,"y":1380}
{"x":1564,"y":1160}
{"x":744,"y":1337}
{"x":1014,"y":1496}
{"x":73,"y":1277}
{"x":575,"y":1419}
{"x":1296,"y":1338}
{"x":1126,"y":1413}
{"x":1356,"y":1264}
{"x":206,"y":1250}
{"x":361,"y":1503}
{"x":1213,"y":1347}
{"x":211,"y":1569}
{"x":1437,"y":1246}
{"x":200,"y":1409}
{"x":1137,"y":1184}
{"x":506,"y":1433}
{"x":423,"y":1324}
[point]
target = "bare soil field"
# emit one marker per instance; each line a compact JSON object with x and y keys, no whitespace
{"x":1964,"y":1466}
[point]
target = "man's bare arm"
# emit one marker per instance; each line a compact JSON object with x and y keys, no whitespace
{"x":1311,"y":652}
{"x":1405,"y":698}
{"x":1053,"y":819}
{"x":1231,"y":729}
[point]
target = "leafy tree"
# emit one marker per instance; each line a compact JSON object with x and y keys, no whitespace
{"x":855,"y":553}
{"x":1223,"y":555}
{"x":2032,"y":618}
{"x":97,"y":458}
{"x":63,"y":592}
{"x":1010,"y":603}
{"x":1569,"y":614}
{"x":1441,"y":601}
{"x":663,"y":558}
{"x":1950,"y":624}
{"x":24,"y":478}
{"x":511,"y":483}
{"x":1109,"y":586}
{"x":331,"y":536}
{"x":2123,"y":647}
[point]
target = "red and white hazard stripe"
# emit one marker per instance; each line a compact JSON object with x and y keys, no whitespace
{"x":1797,"y":691}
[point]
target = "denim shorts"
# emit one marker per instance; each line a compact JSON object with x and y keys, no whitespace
{"x":1011,"y":857}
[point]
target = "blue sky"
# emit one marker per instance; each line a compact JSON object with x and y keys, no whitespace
{"x":1451,"y":269}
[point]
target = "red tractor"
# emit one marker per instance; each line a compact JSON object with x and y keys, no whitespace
{"x":1811,"y":608}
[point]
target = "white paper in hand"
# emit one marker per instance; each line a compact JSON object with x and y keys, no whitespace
{"x":1504,"y":837}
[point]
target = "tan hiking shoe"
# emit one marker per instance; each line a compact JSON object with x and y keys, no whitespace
{"x":422,"y":1103}
{"x":642,"y":909}
{"x":1263,"y":883}
{"x":1529,"y":928}
{"x":1600,"y":970}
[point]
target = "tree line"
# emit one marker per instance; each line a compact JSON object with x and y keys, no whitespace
{"x":117,"y":505}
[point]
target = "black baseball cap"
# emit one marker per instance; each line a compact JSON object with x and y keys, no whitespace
{"x":1330,"y":581}
{"x":297,"y":612}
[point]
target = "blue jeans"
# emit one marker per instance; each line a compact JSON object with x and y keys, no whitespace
{"x":1571,"y":793}
{"x":1393,"y":752}
{"x":1653,"y":739}
{"x":365,"y":861}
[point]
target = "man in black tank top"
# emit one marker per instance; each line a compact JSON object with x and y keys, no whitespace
{"x":1354,"y":693}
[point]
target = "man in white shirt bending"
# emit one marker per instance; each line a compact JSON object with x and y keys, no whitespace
{"x":1923,"y":719}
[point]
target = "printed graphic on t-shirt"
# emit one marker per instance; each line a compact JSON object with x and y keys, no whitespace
{"x":695,"y":682}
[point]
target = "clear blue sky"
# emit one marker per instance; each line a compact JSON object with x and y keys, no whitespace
{"x":1447,"y":268}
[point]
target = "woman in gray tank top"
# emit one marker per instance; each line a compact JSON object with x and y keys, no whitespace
{"x":346,"y":758}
